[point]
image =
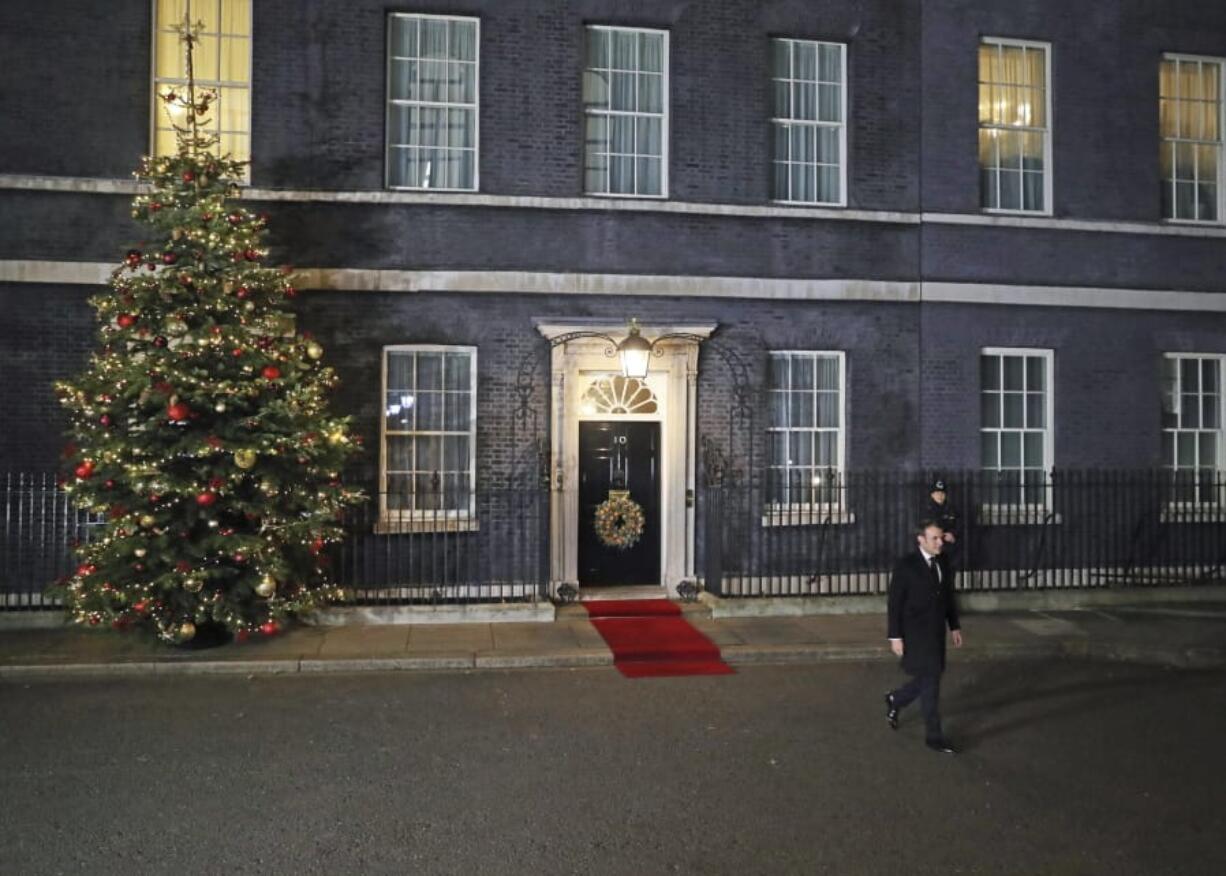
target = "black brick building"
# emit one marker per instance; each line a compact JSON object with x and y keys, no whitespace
{"x":896,"y":292}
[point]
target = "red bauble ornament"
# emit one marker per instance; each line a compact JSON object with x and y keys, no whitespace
{"x":154,"y":207}
{"x":188,"y":176}
{"x":290,"y":292}
{"x":213,"y":441}
{"x":93,"y":620}
{"x":151,"y":266}
{"x":271,"y":372}
{"x":235,"y":218}
{"x":236,"y":352}
{"x":110,"y":485}
{"x":240,"y":558}
{"x":242,"y":292}
{"x":250,"y":255}
{"x":142,"y":606}
{"x":183,"y":566}
{"x":159,"y":341}
{"x":207,"y":217}
{"x":133,"y":258}
{"x":178,"y":412}
{"x":125,"y":320}
{"x":105,"y":419}
{"x":317,"y":545}
{"x":84,"y":470}
{"x":269,"y":628}
{"x":86,"y":569}
{"x":169,"y":258}
{"x":215,"y":483}
{"x":205,"y":499}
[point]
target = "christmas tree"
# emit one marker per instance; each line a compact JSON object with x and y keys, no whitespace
{"x":199,"y":430}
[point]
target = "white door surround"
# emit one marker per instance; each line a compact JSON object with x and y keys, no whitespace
{"x":673,"y":377}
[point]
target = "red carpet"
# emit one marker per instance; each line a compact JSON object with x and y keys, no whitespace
{"x":649,"y":637}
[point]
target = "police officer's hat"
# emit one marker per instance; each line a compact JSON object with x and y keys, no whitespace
{"x":938,"y":484}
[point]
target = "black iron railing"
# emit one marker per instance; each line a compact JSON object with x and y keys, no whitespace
{"x":1082,"y":529}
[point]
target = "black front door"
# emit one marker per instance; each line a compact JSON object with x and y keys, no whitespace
{"x":619,"y":456}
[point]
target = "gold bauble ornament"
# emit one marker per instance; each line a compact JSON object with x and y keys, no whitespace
{"x":244,"y":459}
{"x":187,"y":631}
{"x":314,"y":350}
{"x":147,"y":520}
{"x":267,"y":586}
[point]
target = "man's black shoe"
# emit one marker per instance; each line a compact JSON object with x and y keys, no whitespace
{"x":941,"y":745}
{"x":891,"y":711}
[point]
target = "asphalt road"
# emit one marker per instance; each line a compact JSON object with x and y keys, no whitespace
{"x":1067,"y":768}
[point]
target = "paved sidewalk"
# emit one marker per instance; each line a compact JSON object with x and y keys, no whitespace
{"x":1176,"y":635}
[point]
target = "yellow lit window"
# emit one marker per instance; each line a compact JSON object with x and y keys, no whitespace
{"x":221,"y":61}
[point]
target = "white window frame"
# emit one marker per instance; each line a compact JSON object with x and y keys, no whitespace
{"x":1217,"y":499}
{"x":1009,"y":511}
{"x":841,"y":125}
{"x":810,"y":513}
{"x":664,"y":115}
{"x":157,"y":107}
{"x":427,"y":520}
{"x":1221,"y":154}
{"x":389,"y":102}
{"x":1048,"y":132}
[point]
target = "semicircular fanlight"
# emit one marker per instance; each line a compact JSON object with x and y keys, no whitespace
{"x":619,"y":395}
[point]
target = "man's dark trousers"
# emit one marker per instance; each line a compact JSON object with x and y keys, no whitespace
{"x":928,"y":688}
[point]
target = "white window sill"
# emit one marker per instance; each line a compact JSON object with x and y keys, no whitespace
{"x":1202,"y":223}
{"x":624,"y":196}
{"x":408,"y":525}
{"x":1000,"y":211}
{"x":830,"y":205}
{"x":1016,"y":515}
{"x":427,"y":190}
{"x":1194,"y":514}
{"x":806,"y":515}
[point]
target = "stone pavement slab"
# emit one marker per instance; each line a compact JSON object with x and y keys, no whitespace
{"x":1160,"y":635}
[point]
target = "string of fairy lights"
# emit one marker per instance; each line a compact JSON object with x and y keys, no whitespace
{"x":200,"y":426}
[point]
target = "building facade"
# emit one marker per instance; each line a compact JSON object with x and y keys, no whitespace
{"x":883,"y":235}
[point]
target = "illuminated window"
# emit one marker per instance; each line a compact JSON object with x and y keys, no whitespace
{"x":1190,"y":117}
{"x":619,"y":395}
{"x":221,"y":62}
{"x":807,"y":121}
{"x":1015,"y":126}
{"x":432,"y":102}
{"x":428,"y":452}
{"x":625,"y":100}
{"x":805,"y":430}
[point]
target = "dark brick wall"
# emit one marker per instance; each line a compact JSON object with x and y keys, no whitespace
{"x":1048,"y":257}
{"x":880,"y":401}
{"x":1107,"y":393}
{"x":46,"y":334}
{"x":319,"y":112}
{"x":1104,"y":103}
{"x":905,"y":408}
{"x":74,"y":95}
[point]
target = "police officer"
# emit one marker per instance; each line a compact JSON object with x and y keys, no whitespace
{"x":940,"y":513}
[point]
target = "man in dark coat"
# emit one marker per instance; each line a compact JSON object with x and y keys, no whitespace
{"x":921,"y":606}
